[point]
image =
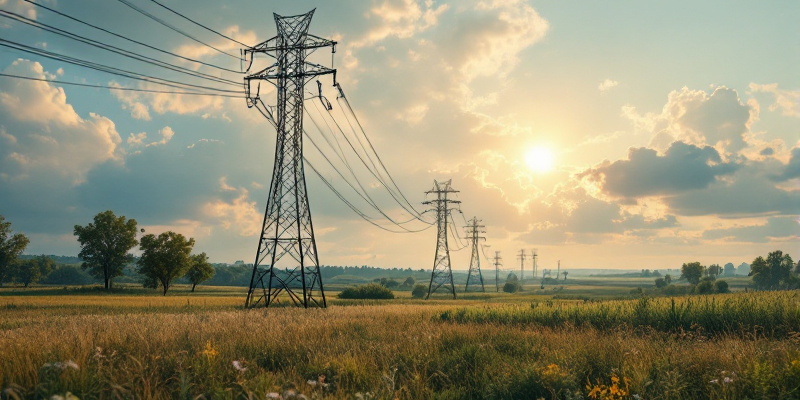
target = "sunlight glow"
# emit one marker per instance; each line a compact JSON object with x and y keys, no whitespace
{"x":539,"y":159}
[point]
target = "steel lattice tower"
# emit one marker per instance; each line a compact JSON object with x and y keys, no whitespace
{"x":442,"y":274}
{"x":534,"y":254}
{"x":497,"y":265}
{"x":521,"y":258}
{"x":473,"y":234}
{"x":286,"y":260}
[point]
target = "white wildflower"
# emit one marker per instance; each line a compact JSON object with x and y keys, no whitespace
{"x":239,"y":367}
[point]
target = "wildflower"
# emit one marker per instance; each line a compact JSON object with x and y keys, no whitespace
{"x":273,"y":395}
{"x":209,"y":350}
{"x":62,"y":365}
{"x":311,"y":382}
{"x":726,"y":380}
{"x":238,"y":366}
{"x":714,"y":381}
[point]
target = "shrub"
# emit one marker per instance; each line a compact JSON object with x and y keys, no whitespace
{"x":512,"y":286}
{"x":419,"y":291}
{"x":660,"y":283}
{"x":368,"y":291}
{"x":721,"y":287}
{"x":704,"y":287}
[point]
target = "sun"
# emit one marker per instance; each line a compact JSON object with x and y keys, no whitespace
{"x":539,"y":159}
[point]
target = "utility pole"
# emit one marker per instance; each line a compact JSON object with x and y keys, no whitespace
{"x":558,"y":271}
{"x":497,"y":265}
{"x":535,"y":254}
{"x":521,"y":258}
{"x":286,"y":260}
{"x":473,"y":234}
{"x":442,"y":274}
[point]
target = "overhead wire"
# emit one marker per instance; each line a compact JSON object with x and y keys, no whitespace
{"x":117,"y":87}
{"x":166,"y":24}
{"x":340,"y":154}
{"x":131,"y":40}
{"x":199,"y":24}
{"x":369,"y":142}
{"x":115,"y":49}
{"x":327,"y":183}
{"x":108,"y":69}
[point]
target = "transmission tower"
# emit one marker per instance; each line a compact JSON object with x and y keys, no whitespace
{"x":442,"y":274}
{"x":286,"y":260}
{"x":535,"y":254}
{"x":473,"y":234}
{"x":521,"y":258}
{"x":497,"y":265}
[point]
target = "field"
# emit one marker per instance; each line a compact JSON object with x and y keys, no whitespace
{"x":579,"y":341}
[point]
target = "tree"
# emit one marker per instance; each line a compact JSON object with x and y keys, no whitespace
{"x":11,"y":246}
{"x":419,"y":291}
{"x":773,"y":272}
{"x":660,"y":283}
{"x":105,"y":244}
{"x":511,"y":286}
{"x":729,"y":270}
{"x":409,"y":282}
{"x":713,"y":271}
{"x":165,"y":258}
{"x":721,"y":286}
{"x":31,"y":270}
{"x":200,"y":270}
{"x":692,"y":272}
{"x":565,"y":274}
{"x":668,"y":278}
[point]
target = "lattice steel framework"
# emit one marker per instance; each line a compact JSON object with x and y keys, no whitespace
{"x":535,"y":254}
{"x":286,"y":260}
{"x":442,"y":274}
{"x":473,"y":231}
{"x":497,"y":265}
{"x":521,"y":258}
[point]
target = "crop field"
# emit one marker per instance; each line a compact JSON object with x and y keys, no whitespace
{"x":133,"y":343}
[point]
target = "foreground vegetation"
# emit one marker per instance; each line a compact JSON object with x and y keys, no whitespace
{"x":136,"y":344}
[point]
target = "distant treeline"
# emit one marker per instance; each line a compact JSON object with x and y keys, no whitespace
{"x":68,"y":271}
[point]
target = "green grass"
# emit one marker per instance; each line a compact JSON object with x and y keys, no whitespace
{"x":134,"y":343}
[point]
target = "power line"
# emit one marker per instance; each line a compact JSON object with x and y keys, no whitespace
{"x":114,"y":49}
{"x":130,"y":40}
{"x":105,"y":68}
{"x":199,"y":24}
{"x":116,"y":88}
{"x":162,"y":22}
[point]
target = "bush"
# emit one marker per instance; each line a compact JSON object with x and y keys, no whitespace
{"x":512,"y":286}
{"x":368,"y":291}
{"x":704,"y":287}
{"x":660,"y":283}
{"x":419,"y":291}
{"x":721,"y":287}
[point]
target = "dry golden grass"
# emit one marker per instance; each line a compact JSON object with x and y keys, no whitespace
{"x":123,"y":349}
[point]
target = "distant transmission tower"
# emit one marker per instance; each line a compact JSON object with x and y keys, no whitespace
{"x":473,"y":234}
{"x":497,"y":265}
{"x":442,"y":275}
{"x":286,"y":260}
{"x":535,"y":254}
{"x":521,"y":258}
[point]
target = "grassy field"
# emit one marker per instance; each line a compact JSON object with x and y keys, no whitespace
{"x":134,"y":343}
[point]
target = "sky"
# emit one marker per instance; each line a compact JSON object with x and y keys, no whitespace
{"x":617,"y":134}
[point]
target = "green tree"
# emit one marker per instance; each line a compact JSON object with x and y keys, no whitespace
{"x":668,"y":278}
{"x":105,"y":244}
{"x":692,"y":272}
{"x":660,"y":283}
{"x":200,"y":270}
{"x":713,"y":271}
{"x":11,"y":246}
{"x":419,"y":291}
{"x":409,"y":282}
{"x":511,"y":286}
{"x":773,"y":272}
{"x":721,"y":287}
{"x":165,"y":258}
{"x":729,"y":270}
{"x":31,"y":270}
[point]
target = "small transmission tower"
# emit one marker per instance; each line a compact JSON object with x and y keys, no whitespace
{"x":535,"y":254}
{"x":286,"y":260}
{"x":442,"y":274}
{"x":473,"y":234}
{"x":497,"y":265}
{"x":521,"y":258}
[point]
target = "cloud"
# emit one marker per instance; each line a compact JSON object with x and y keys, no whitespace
{"x":400,"y":19}
{"x":607,"y":85}
{"x":19,"y":7}
{"x":682,"y":168}
{"x":771,"y":228}
{"x":719,"y":120}
{"x":787,"y":101}
{"x":793,"y":168}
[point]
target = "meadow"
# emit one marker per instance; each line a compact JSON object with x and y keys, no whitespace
{"x":136,"y":344}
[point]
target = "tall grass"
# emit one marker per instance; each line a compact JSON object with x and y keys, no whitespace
{"x":407,"y":351}
{"x":773,"y":314}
